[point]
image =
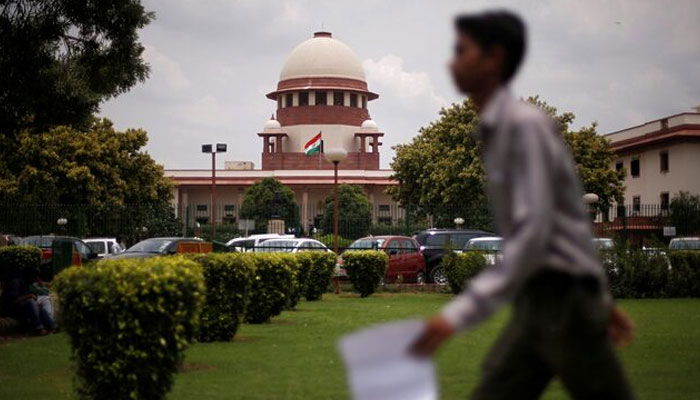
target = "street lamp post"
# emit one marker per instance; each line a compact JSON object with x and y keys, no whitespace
{"x":208,"y":148}
{"x":459,"y":221}
{"x":61,"y":222}
{"x":335,"y":156}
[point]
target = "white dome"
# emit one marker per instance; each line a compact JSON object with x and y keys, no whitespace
{"x":322,"y":56}
{"x":369,"y":124}
{"x":272,"y":124}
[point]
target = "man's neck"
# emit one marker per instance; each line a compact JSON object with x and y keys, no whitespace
{"x":482,"y":95}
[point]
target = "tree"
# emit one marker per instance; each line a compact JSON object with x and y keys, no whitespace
{"x":440,"y":173}
{"x":101,"y":177}
{"x":685,"y":213}
{"x":269,"y":199}
{"x":354,"y":212}
{"x":60,"y":59}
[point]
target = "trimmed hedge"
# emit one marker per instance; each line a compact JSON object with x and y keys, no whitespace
{"x":365,"y":268}
{"x":316,"y":268}
{"x":273,"y":284}
{"x":228,"y":278}
{"x":684,"y":275}
{"x":460,"y":267}
{"x":297,"y":289}
{"x":18,"y":261}
{"x":129,"y":322}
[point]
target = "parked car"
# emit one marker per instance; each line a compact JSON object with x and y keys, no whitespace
{"x":249,"y":243}
{"x":434,"y":242}
{"x":81,"y":252}
{"x":603,"y":244}
{"x":8,"y":239}
{"x":104,"y":247}
{"x":686,"y":243}
{"x":491,"y":246}
{"x":405,"y":258}
{"x":292,"y":245}
{"x":165,"y":246}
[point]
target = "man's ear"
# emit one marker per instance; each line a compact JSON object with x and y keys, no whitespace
{"x":495,"y":58}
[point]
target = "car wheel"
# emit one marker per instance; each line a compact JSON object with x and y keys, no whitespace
{"x":438,"y":276}
{"x":420,"y":278}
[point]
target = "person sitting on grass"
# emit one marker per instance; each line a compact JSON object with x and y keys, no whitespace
{"x":19,"y":303}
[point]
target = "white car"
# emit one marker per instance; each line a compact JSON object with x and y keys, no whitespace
{"x":491,"y":246}
{"x":686,"y":243}
{"x":104,"y":247}
{"x":248,"y":244}
{"x":292,"y":245}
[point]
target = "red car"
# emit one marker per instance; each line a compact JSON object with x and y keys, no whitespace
{"x":405,"y":258}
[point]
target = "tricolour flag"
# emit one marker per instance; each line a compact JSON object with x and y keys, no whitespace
{"x":313,"y":146}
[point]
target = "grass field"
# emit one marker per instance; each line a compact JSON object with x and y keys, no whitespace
{"x":294,"y":356}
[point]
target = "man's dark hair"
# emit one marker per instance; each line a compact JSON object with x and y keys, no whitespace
{"x":497,"y":28}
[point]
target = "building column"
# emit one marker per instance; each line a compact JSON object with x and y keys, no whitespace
{"x":266,"y":144}
{"x":375,"y":148}
{"x":305,"y":210}
{"x":185,"y":216}
{"x":362,"y":144}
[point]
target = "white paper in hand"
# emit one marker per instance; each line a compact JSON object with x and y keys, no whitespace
{"x":380,"y":367}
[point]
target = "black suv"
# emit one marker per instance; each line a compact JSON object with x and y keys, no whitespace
{"x":434,"y":242}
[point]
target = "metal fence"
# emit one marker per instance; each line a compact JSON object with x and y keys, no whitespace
{"x":137,"y":221}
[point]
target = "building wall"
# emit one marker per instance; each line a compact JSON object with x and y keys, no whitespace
{"x":309,"y":197}
{"x":683,"y":172}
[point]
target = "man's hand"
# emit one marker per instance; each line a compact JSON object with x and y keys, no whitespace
{"x":621,"y":327}
{"x":437,"y":330}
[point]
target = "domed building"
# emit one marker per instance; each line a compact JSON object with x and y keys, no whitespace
{"x":321,"y":90}
{"x":321,"y":103}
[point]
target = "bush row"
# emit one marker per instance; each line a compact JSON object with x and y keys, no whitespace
{"x":460,"y":267}
{"x":17,"y":261}
{"x":365,"y":269}
{"x":634,"y":273}
{"x":129,"y":323}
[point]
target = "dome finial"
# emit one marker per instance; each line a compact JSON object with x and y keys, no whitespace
{"x":322,"y":33}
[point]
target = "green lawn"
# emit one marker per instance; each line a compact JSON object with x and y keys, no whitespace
{"x":294,"y":357}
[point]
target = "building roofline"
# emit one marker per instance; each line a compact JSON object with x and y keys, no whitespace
{"x":650,"y":122}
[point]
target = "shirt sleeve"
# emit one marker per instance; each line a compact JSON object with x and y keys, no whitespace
{"x":529,"y":231}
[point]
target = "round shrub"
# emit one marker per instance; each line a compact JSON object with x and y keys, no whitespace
{"x":684,"y":275}
{"x":365,"y":268}
{"x":317,"y":269}
{"x":18,"y":261}
{"x":129,"y":322}
{"x":460,"y":267}
{"x":297,"y":289}
{"x":228,"y":278}
{"x":274,"y":282}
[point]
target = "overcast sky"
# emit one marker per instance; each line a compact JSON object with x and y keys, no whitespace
{"x":618,"y":62}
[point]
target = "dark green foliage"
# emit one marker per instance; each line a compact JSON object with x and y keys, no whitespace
{"x":684,"y":276}
{"x":129,"y":322}
{"x":300,"y":276}
{"x":269,"y":199}
{"x":365,"y":269}
{"x":19,"y":261}
{"x":60,"y":59}
{"x":228,"y":278}
{"x":354,"y":212}
{"x":329,"y":240}
{"x":685,"y":213}
{"x":273,"y":284}
{"x":460,"y":267}
{"x":316,"y":268}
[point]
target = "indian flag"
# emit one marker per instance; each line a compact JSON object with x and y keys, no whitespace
{"x":313,"y":146}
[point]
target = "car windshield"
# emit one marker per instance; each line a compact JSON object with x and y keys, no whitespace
{"x":369,"y":243}
{"x":43,"y":242}
{"x":276,"y":246}
{"x":487,"y":245}
{"x":97,"y":247}
{"x":150,"y":246}
{"x":603,"y":244}
{"x":692,"y":244}
{"x":435,"y":240}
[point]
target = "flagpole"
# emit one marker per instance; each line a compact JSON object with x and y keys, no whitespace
{"x":320,"y":156}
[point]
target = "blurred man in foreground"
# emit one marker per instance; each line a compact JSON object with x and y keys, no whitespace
{"x":564,"y":322}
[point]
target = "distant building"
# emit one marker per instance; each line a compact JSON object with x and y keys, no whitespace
{"x":321,"y":89}
{"x":660,"y":158}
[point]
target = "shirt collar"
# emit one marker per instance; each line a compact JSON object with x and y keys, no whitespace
{"x":490,"y":113}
